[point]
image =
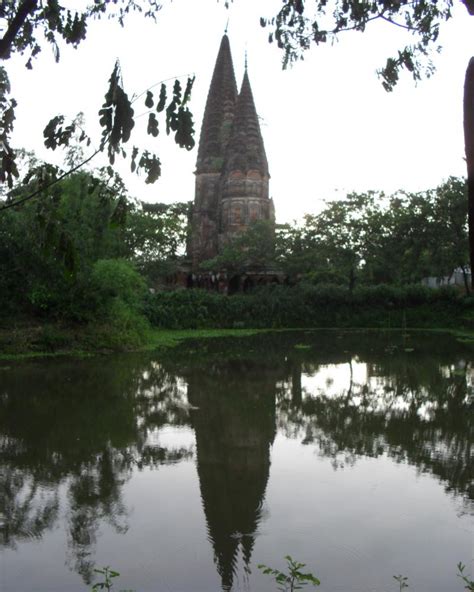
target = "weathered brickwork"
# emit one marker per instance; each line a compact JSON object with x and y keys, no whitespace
{"x":232,"y":175}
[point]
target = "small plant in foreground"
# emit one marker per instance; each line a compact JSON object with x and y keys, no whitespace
{"x":295,"y":579}
{"x":469,"y":583}
{"x":402,"y":581}
{"x":107,"y":583}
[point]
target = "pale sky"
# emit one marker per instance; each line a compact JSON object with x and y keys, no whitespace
{"x":328,"y":125}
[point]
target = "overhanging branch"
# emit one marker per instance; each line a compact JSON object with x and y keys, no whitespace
{"x":25,"y":9}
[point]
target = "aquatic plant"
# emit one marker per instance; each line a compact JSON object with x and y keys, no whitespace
{"x":295,"y":579}
{"x":402,"y":581}
{"x":469,"y":583}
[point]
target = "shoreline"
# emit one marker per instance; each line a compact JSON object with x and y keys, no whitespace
{"x":161,"y":339}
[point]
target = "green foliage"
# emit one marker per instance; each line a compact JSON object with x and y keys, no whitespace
{"x":287,"y":581}
{"x":107,"y":582}
{"x":293,"y":579}
{"x":8,"y":167}
{"x":117,"y":280}
{"x":402,"y":581}
{"x":25,"y":23}
{"x":58,"y":239}
{"x":116,"y":118}
{"x":372,"y":238}
{"x":116,"y":115}
{"x":117,"y":291}
{"x":307,"y":305}
{"x":253,"y":248}
{"x":469,"y":584}
{"x":299,"y":24}
{"x":155,"y":236}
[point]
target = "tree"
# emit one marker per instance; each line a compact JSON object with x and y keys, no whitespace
{"x":156,"y":236}
{"x":300,"y":23}
{"x":297,"y":250}
{"x":252,"y":249}
{"x":28,"y":23}
{"x":450,"y":229}
{"x":333,"y":246}
{"x":426,"y":234}
{"x":374,"y":238}
{"x":468,"y":106}
{"x":58,"y":239}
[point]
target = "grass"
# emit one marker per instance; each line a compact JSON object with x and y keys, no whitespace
{"x":160,"y":339}
{"x":77,"y":344}
{"x":157,"y":339}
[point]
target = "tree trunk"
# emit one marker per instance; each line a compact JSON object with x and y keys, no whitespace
{"x":469,"y":4}
{"x":465,"y":280}
{"x":296,"y":391}
{"x":24,"y":11}
{"x":468,"y":105}
{"x":352,"y":280}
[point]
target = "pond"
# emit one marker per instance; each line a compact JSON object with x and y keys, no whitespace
{"x":183,"y":471}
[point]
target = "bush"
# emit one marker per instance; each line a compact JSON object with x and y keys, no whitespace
{"x":117,"y":293}
{"x":305,"y":305}
{"x":117,"y":279}
{"x":124,"y":329}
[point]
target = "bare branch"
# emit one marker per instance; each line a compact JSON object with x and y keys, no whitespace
{"x":21,"y":201}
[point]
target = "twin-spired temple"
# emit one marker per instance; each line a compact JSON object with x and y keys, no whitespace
{"x":232,"y":170}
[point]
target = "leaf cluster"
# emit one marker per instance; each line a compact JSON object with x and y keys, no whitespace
{"x":28,"y":23}
{"x":49,"y":246}
{"x":23,"y":23}
{"x":107,"y":582}
{"x":8,"y":168}
{"x":469,"y":583}
{"x":293,"y":579}
{"x":254,"y":248}
{"x":117,"y":119}
{"x":376,"y":238}
{"x":116,"y":116}
{"x":402,"y":581}
{"x":157,"y":233}
{"x":58,"y":133}
{"x":301,"y":23}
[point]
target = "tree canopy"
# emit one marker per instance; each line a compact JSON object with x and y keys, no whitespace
{"x":28,"y":25}
{"x":301,"y":23}
{"x":373,"y":238}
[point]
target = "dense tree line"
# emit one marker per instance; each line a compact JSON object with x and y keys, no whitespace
{"x":366,"y":238}
{"x":373,"y":238}
{"x":86,"y":253}
{"x":82,"y":252}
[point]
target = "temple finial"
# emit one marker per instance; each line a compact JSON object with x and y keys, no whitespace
{"x":246,"y":60}
{"x":226,"y":27}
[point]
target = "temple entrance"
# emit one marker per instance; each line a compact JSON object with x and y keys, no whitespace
{"x":234,"y":284}
{"x":248,"y":284}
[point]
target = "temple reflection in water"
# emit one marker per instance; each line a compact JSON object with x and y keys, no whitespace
{"x":74,"y":434}
{"x":235,"y":427}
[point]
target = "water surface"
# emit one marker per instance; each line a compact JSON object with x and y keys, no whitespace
{"x":347,"y":450}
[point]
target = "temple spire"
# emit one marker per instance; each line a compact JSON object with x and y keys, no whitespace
{"x":245,"y":149}
{"x":219,"y":112}
{"x":232,"y":179}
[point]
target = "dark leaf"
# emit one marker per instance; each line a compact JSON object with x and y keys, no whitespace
{"x":162,"y":100}
{"x":149,"y":100}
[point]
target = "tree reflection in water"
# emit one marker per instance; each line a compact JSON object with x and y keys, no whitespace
{"x":83,"y":425}
{"x":87,"y":426}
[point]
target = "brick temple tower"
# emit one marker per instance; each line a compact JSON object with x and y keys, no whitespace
{"x":232,"y":170}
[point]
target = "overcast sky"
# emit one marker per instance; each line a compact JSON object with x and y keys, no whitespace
{"x":328,"y":125}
